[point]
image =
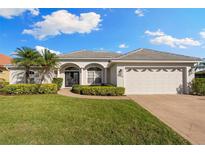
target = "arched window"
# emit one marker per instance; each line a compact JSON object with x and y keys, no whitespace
{"x":94,"y":76}
{"x":71,"y":69}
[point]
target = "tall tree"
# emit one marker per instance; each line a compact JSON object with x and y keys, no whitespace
{"x":27,"y":58}
{"x":200,"y":66}
{"x":49,"y":62}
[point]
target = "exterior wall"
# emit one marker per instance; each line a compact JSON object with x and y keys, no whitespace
{"x":190,"y":75}
{"x":17,"y":75}
{"x":4,"y":75}
{"x":113,"y":75}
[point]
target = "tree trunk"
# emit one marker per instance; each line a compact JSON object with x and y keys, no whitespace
{"x":44,"y":72}
{"x":42,"y":77}
{"x":27,"y":75}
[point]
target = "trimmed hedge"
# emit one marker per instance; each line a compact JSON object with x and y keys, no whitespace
{"x":58,"y":81}
{"x":98,"y":90}
{"x":3,"y":84}
{"x":198,"y":86}
{"x":76,"y":89}
{"x":19,"y":89}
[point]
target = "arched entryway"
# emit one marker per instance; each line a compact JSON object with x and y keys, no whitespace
{"x":72,"y":76}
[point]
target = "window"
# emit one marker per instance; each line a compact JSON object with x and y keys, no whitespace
{"x":31,"y":77}
{"x":1,"y":71}
{"x":94,"y":75}
{"x":71,"y":69}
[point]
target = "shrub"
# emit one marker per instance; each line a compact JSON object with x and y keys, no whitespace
{"x":198,"y":86}
{"x":58,"y":82}
{"x":3,"y":84}
{"x":76,"y":89}
{"x":18,"y":89}
{"x":200,"y":74}
{"x":98,"y":90}
{"x":2,"y":80}
{"x":48,"y":89}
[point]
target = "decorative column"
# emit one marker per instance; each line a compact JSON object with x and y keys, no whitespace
{"x":185,"y":80}
{"x":105,"y":75}
{"x":81,"y":76}
{"x":58,"y":72}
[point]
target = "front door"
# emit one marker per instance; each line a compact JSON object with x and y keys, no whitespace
{"x":71,"y":78}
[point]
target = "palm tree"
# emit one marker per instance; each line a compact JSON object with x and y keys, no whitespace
{"x":27,"y":58}
{"x":200,"y":66}
{"x":49,"y":62}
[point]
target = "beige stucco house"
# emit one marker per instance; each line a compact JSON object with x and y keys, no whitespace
{"x":142,"y":71}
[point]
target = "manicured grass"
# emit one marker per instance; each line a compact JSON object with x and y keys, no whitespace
{"x":55,"y":119}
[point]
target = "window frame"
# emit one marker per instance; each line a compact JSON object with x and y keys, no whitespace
{"x":93,"y":75}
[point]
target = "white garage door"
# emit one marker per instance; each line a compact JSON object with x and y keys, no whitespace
{"x":153,"y":80}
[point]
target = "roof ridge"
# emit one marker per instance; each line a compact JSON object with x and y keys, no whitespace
{"x":130,"y":52}
{"x":95,"y":51}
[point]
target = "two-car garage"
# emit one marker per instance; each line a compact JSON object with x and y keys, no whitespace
{"x":153,"y":80}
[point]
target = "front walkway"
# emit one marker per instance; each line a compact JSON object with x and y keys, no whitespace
{"x":67,"y":92}
{"x":184,"y":113}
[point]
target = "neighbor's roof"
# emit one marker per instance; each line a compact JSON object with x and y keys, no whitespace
{"x":90,"y":54}
{"x":5,"y":59}
{"x":148,"y":54}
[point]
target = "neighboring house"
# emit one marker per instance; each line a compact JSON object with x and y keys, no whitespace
{"x":142,"y":71}
{"x":4,"y":72}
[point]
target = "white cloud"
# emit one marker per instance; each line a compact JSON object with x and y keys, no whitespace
{"x":63,"y":22}
{"x":202,"y":33}
{"x":40,"y":49}
{"x":139,"y":12}
{"x":119,"y":51}
{"x":123,"y":45}
{"x":182,"y":47}
{"x":156,"y":33}
{"x":11,"y":13}
{"x":159,"y":37}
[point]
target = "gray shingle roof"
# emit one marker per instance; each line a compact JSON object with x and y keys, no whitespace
{"x":148,"y":54}
{"x":90,"y":54}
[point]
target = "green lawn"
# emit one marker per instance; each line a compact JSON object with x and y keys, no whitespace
{"x":55,"y":119}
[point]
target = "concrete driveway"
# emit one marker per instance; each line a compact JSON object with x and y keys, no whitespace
{"x":184,"y":113}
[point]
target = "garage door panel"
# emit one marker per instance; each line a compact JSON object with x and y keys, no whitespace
{"x":155,"y":81}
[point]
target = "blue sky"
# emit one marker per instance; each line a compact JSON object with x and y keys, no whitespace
{"x":179,"y":31}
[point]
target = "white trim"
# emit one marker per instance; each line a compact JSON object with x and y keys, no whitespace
{"x":107,"y":59}
{"x":150,"y":61}
{"x":175,"y":66}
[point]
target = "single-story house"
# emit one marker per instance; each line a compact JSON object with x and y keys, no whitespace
{"x":143,"y":71}
{"x":4,"y":73}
